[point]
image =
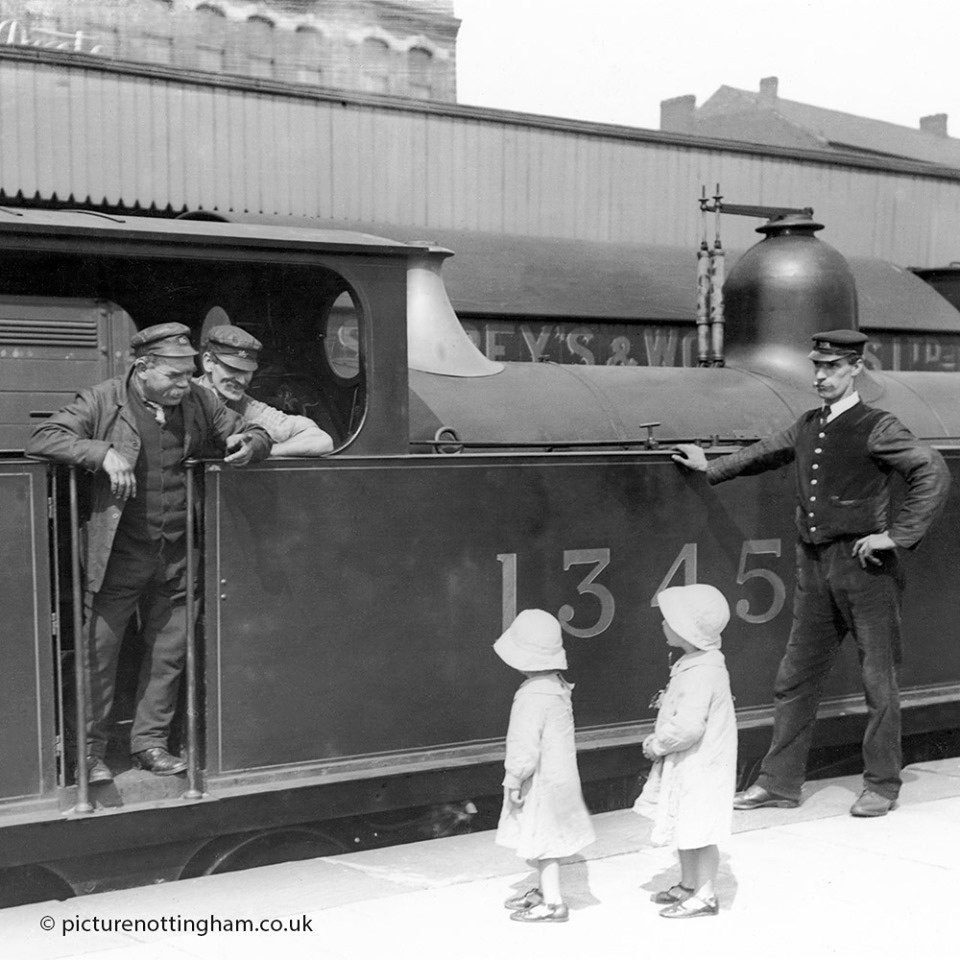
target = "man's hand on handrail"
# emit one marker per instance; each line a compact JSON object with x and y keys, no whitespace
{"x":691,"y":456}
{"x":240,"y":449}
{"x":123,"y":483}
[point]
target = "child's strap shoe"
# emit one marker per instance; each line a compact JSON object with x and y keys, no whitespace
{"x":675,"y":894}
{"x":543,"y":913}
{"x":524,"y":901}
{"x":692,"y":907}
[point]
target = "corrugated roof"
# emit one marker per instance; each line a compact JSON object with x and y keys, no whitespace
{"x":501,"y":275}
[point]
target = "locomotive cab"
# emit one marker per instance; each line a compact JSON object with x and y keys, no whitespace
{"x":330,"y":310}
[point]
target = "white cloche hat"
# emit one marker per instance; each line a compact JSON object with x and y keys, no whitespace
{"x":534,"y":641}
{"x":697,"y":612}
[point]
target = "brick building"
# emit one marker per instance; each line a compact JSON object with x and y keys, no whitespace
{"x":763,"y":116}
{"x":402,"y":47}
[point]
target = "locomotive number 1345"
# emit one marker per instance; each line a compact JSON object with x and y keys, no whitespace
{"x":598,"y":560}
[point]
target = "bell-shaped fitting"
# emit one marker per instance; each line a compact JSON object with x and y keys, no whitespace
{"x":781,"y":292}
{"x":436,"y":342}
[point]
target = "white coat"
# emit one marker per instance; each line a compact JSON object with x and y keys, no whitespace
{"x":541,"y":760}
{"x":693,"y":784}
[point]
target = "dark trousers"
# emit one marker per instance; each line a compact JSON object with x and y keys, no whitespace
{"x":149,"y":578}
{"x":835,"y":595}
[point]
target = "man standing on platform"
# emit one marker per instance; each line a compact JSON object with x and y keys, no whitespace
{"x":133,"y":434}
{"x":230,"y":358}
{"x":849,"y":577}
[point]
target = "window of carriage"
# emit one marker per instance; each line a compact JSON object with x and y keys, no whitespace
{"x":374,"y":66}
{"x":341,"y":337}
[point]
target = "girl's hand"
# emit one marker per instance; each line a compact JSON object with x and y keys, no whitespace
{"x":513,"y":795}
{"x":648,"y":750}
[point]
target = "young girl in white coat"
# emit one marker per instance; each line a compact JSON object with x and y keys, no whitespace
{"x":544,"y":817}
{"x":694,"y":749}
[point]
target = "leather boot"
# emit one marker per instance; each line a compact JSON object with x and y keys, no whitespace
{"x":158,"y":761}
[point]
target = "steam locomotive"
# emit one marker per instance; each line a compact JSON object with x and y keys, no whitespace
{"x":342,"y":664}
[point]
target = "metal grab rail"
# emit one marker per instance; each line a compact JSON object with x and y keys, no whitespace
{"x":193,"y":791}
{"x":81,"y":651}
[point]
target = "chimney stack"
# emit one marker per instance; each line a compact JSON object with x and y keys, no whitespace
{"x":936,"y":124}
{"x":677,"y":114}
{"x":768,"y":91}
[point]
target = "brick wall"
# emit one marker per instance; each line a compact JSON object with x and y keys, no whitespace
{"x":401,"y":47}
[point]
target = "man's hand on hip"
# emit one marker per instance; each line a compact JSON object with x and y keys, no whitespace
{"x":865,"y":548}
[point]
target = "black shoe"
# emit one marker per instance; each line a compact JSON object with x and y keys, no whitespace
{"x":97,"y":771}
{"x":872,"y":804}
{"x":158,"y":761}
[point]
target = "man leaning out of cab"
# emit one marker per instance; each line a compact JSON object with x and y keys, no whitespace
{"x":230,"y":357}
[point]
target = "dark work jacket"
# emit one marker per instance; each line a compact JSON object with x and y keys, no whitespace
{"x":843,"y":475}
{"x":101,"y":417}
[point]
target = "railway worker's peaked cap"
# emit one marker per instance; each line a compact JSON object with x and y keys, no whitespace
{"x":534,"y":641}
{"x":235,"y":347}
{"x":837,"y":344}
{"x":163,"y":340}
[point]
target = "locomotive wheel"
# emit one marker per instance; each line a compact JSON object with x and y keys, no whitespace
{"x":260,"y":848}
{"x":31,"y":884}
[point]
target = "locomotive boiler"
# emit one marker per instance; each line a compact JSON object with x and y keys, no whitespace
{"x":349,"y":603}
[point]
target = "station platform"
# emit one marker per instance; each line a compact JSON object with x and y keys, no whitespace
{"x":812,"y":882}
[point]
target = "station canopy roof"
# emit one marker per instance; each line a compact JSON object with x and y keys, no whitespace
{"x":504,"y":275}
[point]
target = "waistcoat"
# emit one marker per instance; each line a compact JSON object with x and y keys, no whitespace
{"x":159,"y":510}
{"x":841,"y":490}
